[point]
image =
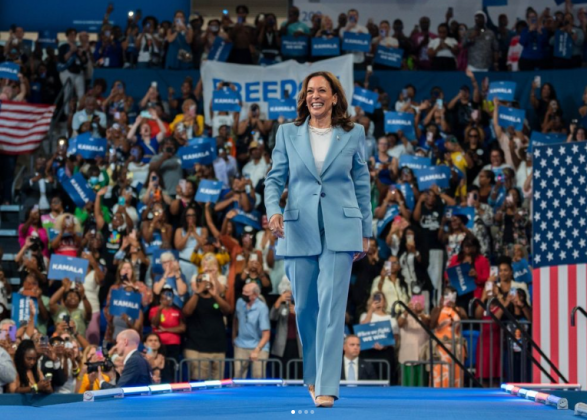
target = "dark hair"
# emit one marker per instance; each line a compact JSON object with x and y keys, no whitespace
{"x":21,"y":350}
{"x":101,"y":82}
{"x":162,"y":348}
{"x":242,"y":7}
{"x":70,"y":30}
{"x":159,"y":177}
{"x":552,"y":93}
{"x":340,"y":116}
{"x":490,"y":174}
{"x":445,"y":26}
{"x":191,"y":206}
{"x":469,"y":241}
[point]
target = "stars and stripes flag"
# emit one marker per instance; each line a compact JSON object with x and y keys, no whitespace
{"x":560,"y":258}
{"x":23,"y":126}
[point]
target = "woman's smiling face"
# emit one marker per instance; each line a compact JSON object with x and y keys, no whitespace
{"x":319,"y":97}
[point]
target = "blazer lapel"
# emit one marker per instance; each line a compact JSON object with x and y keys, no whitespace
{"x":339,"y":139}
{"x":304,"y":149}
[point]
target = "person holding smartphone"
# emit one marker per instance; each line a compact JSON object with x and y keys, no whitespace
{"x":29,"y":378}
{"x":179,"y":38}
{"x":391,"y":284}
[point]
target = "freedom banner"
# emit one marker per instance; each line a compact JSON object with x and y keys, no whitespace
{"x":460,"y":279}
{"x":89,"y":147}
{"x":220,"y":50}
{"x":61,"y":266}
{"x":365,"y":99}
{"x":252,"y":219}
{"x":414,"y":162}
{"x":352,"y":41}
{"x":292,"y":46}
{"x":469,"y":212}
{"x":21,"y":310}
{"x":325,"y":47}
{"x":286,"y":108}
{"x":511,"y":117}
{"x":9,"y":70}
{"x":208,"y":191}
{"x":123,"y":302}
{"x":389,"y":56}
{"x":400,"y":121}
{"x":504,"y":91}
{"x":259,"y":85}
{"x":203,"y":153}
{"x":435,"y":175}
{"x":226,"y":99}
{"x":391,"y":213}
{"x":522,"y":271}
{"x":374,"y":332}
{"x":78,"y":189}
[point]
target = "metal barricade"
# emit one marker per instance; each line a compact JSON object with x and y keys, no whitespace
{"x":425,"y":367}
{"x":246,"y":365}
{"x":481,"y":357}
{"x":175,"y":368}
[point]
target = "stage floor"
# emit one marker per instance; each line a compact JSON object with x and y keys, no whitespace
{"x":272,"y":402}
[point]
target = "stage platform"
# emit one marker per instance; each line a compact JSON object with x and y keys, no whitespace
{"x":276,"y":402}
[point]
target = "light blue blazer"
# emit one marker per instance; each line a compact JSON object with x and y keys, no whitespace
{"x":343,"y":190}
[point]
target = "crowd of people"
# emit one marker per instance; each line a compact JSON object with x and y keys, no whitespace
{"x":212,"y":286}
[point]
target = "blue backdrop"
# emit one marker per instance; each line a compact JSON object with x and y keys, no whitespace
{"x":38,"y":15}
{"x":569,"y":84}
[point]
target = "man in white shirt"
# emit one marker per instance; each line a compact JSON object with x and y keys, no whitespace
{"x":257,"y":167}
{"x":353,"y":368}
{"x":353,"y":26}
{"x":90,"y":119}
{"x":136,"y":370}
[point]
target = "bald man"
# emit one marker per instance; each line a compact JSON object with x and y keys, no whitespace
{"x":136,"y":370}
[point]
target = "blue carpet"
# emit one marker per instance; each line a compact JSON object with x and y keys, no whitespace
{"x":268,"y":402}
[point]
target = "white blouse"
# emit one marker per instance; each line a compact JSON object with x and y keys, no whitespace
{"x":320,"y":139}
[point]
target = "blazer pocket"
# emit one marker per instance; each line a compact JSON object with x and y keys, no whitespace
{"x":291,"y":215}
{"x":352,"y":212}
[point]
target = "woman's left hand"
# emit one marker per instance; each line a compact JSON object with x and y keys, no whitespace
{"x":359,"y":255}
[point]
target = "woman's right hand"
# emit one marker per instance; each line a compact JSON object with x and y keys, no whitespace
{"x":276,"y":225}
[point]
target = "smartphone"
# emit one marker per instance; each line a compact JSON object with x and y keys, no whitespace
{"x":488,"y":286}
{"x":493,"y":271}
{"x":439,"y":103}
{"x":206,"y":277}
{"x":450,"y":10}
{"x":430,"y":137}
{"x":377,"y":298}
{"x":370,"y":68}
{"x":474,"y":114}
{"x":121,"y":201}
{"x":448,"y":214}
{"x":404,"y":93}
{"x":48,"y":376}
{"x":225,"y":12}
{"x":410,"y":239}
{"x":146,"y":114}
{"x":182,"y":185}
{"x":149,"y":351}
{"x":387,"y":266}
{"x":12,"y":333}
{"x":254,"y":257}
{"x":513,"y":292}
{"x":154,"y":85}
{"x":44,"y":341}
{"x":537,"y":81}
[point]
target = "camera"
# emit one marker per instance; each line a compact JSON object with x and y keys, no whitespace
{"x":36,"y":244}
{"x":105,"y":364}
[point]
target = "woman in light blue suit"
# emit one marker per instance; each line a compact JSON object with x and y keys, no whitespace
{"x":326,"y":224}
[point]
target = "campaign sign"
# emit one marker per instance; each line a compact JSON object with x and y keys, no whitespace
{"x":47,"y":38}
{"x":286,"y":108}
{"x":226,"y":99}
{"x":123,"y":302}
{"x":459,"y":278}
{"x":21,"y":310}
{"x":204,"y":154}
{"x":391,"y":213}
{"x":400,"y":121}
{"x":220,"y":50}
{"x":78,"y":189}
{"x":250,"y":219}
{"x":202,"y":140}
{"x":508,"y":117}
{"x":414,"y":162}
{"x":469,"y":212}
{"x":540,"y":139}
{"x":504,"y":91}
{"x":157,"y":252}
{"x":325,"y":47}
{"x":208,"y":191}
{"x":427,"y":177}
{"x":89,"y":147}
{"x":522,"y":271}
{"x":563,"y":44}
{"x":408,"y":194}
{"x":292,"y":46}
{"x":389,"y":56}
{"x":9,"y":70}
{"x":374,"y":332}
{"x":352,"y":41}
{"x":61,"y":267}
{"x":365,"y":99}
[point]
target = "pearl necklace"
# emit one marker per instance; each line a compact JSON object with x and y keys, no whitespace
{"x":320,"y":131}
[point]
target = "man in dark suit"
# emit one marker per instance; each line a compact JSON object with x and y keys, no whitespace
{"x":136,"y":370}
{"x":39,"y":188}
{"x":353,"y":368}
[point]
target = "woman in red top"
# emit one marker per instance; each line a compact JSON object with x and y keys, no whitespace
{"x":167,"y":323}
{"x":469,"y":253}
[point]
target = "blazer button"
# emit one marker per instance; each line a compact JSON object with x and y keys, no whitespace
{"x":323,"y":195}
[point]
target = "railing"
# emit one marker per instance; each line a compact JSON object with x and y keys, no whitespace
{"x":422,"y":364}
{"x":574,"y":314}
{"x":175,"y":368}
{"x":230,"y":362}
{"x":530,"y":340}
{"x":381,"y":366}
{"x":438,"y":341}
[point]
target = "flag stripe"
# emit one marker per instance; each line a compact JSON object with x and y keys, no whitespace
{"x":562,"y":341}
{"x":572,"y":293}
{"x":554,"y":316}
{"x":536,"y":328}
{"x":581,"y":325}
{"x":23,"y":126}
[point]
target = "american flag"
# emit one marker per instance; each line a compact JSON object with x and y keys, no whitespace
{"x":560,"y":258}
{"x":23,"y":126}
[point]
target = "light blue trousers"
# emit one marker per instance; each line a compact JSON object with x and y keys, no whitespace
{"x":320,"y":286}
